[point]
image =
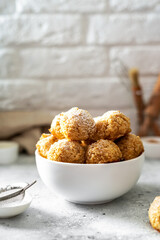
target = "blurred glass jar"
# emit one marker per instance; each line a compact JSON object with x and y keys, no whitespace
{"x":8,"y":152}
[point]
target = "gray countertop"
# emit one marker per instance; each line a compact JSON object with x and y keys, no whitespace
{"x":50,"y":217}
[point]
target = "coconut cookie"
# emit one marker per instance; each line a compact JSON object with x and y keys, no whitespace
{"x":66,"y":151}
{"x":77,"y":124}
{"x":103,"y":151}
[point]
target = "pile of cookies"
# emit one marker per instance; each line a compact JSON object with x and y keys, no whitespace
{"x":76,"y":137}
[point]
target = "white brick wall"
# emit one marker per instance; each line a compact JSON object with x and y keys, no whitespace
{"x":58,"y":54}
{"x":66,"y":62}
{"x":135,"y":6}
{"x":44,"y":30}
{"x":121,"y":29}
{"x":146,"y":58}
{"x":51,"y":6}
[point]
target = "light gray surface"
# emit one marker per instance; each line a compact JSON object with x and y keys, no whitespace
{"x":50,"y":217}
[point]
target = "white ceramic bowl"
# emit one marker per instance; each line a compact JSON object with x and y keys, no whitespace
{"x":8,"y":152}
{"x":89,"y":183}
{"x":11,"y":211}
{"x":151,"y":146}
{"x":14,"y":209}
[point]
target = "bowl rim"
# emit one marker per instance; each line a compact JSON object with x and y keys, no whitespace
{"x":91,"y":164}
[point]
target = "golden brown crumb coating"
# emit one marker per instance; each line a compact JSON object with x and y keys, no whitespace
{"x":44,"y":135}
{"x":154,"y":213}
{"x":130,"y":145}
{"x":44,"y":144}
{"x":77,"y":124}
{"x":56,"y":128}
{"x":67,"y":151}
{"x":103,"y":151}
{"x":112,"y":125}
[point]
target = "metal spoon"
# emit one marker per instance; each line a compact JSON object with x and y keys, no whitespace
{"x":12,"y":196}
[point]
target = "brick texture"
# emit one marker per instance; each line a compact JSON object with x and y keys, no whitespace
{"x":7,"y":6}
{"x":9,"y":63}
{"x":124,"y":29}
{"x":144,"y":58}
{"x":87,"y":93}
{"x":82,"y":6}
{"x":97,"y":95}
{"x":77,"y":62}
{"x":59,"y":54}
{"x":134,"y":6}
{"x":41,"y":30}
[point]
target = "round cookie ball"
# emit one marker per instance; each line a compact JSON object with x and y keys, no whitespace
{"x":154,"y":213}
{"x":103,"y":151}
{"x":66,"y":151}
{"x":112,"y":125}
{"x":77,"y":124}
{"x":44,"y":144}
{"x":131,"y":146}
{"x":55,"y":127}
